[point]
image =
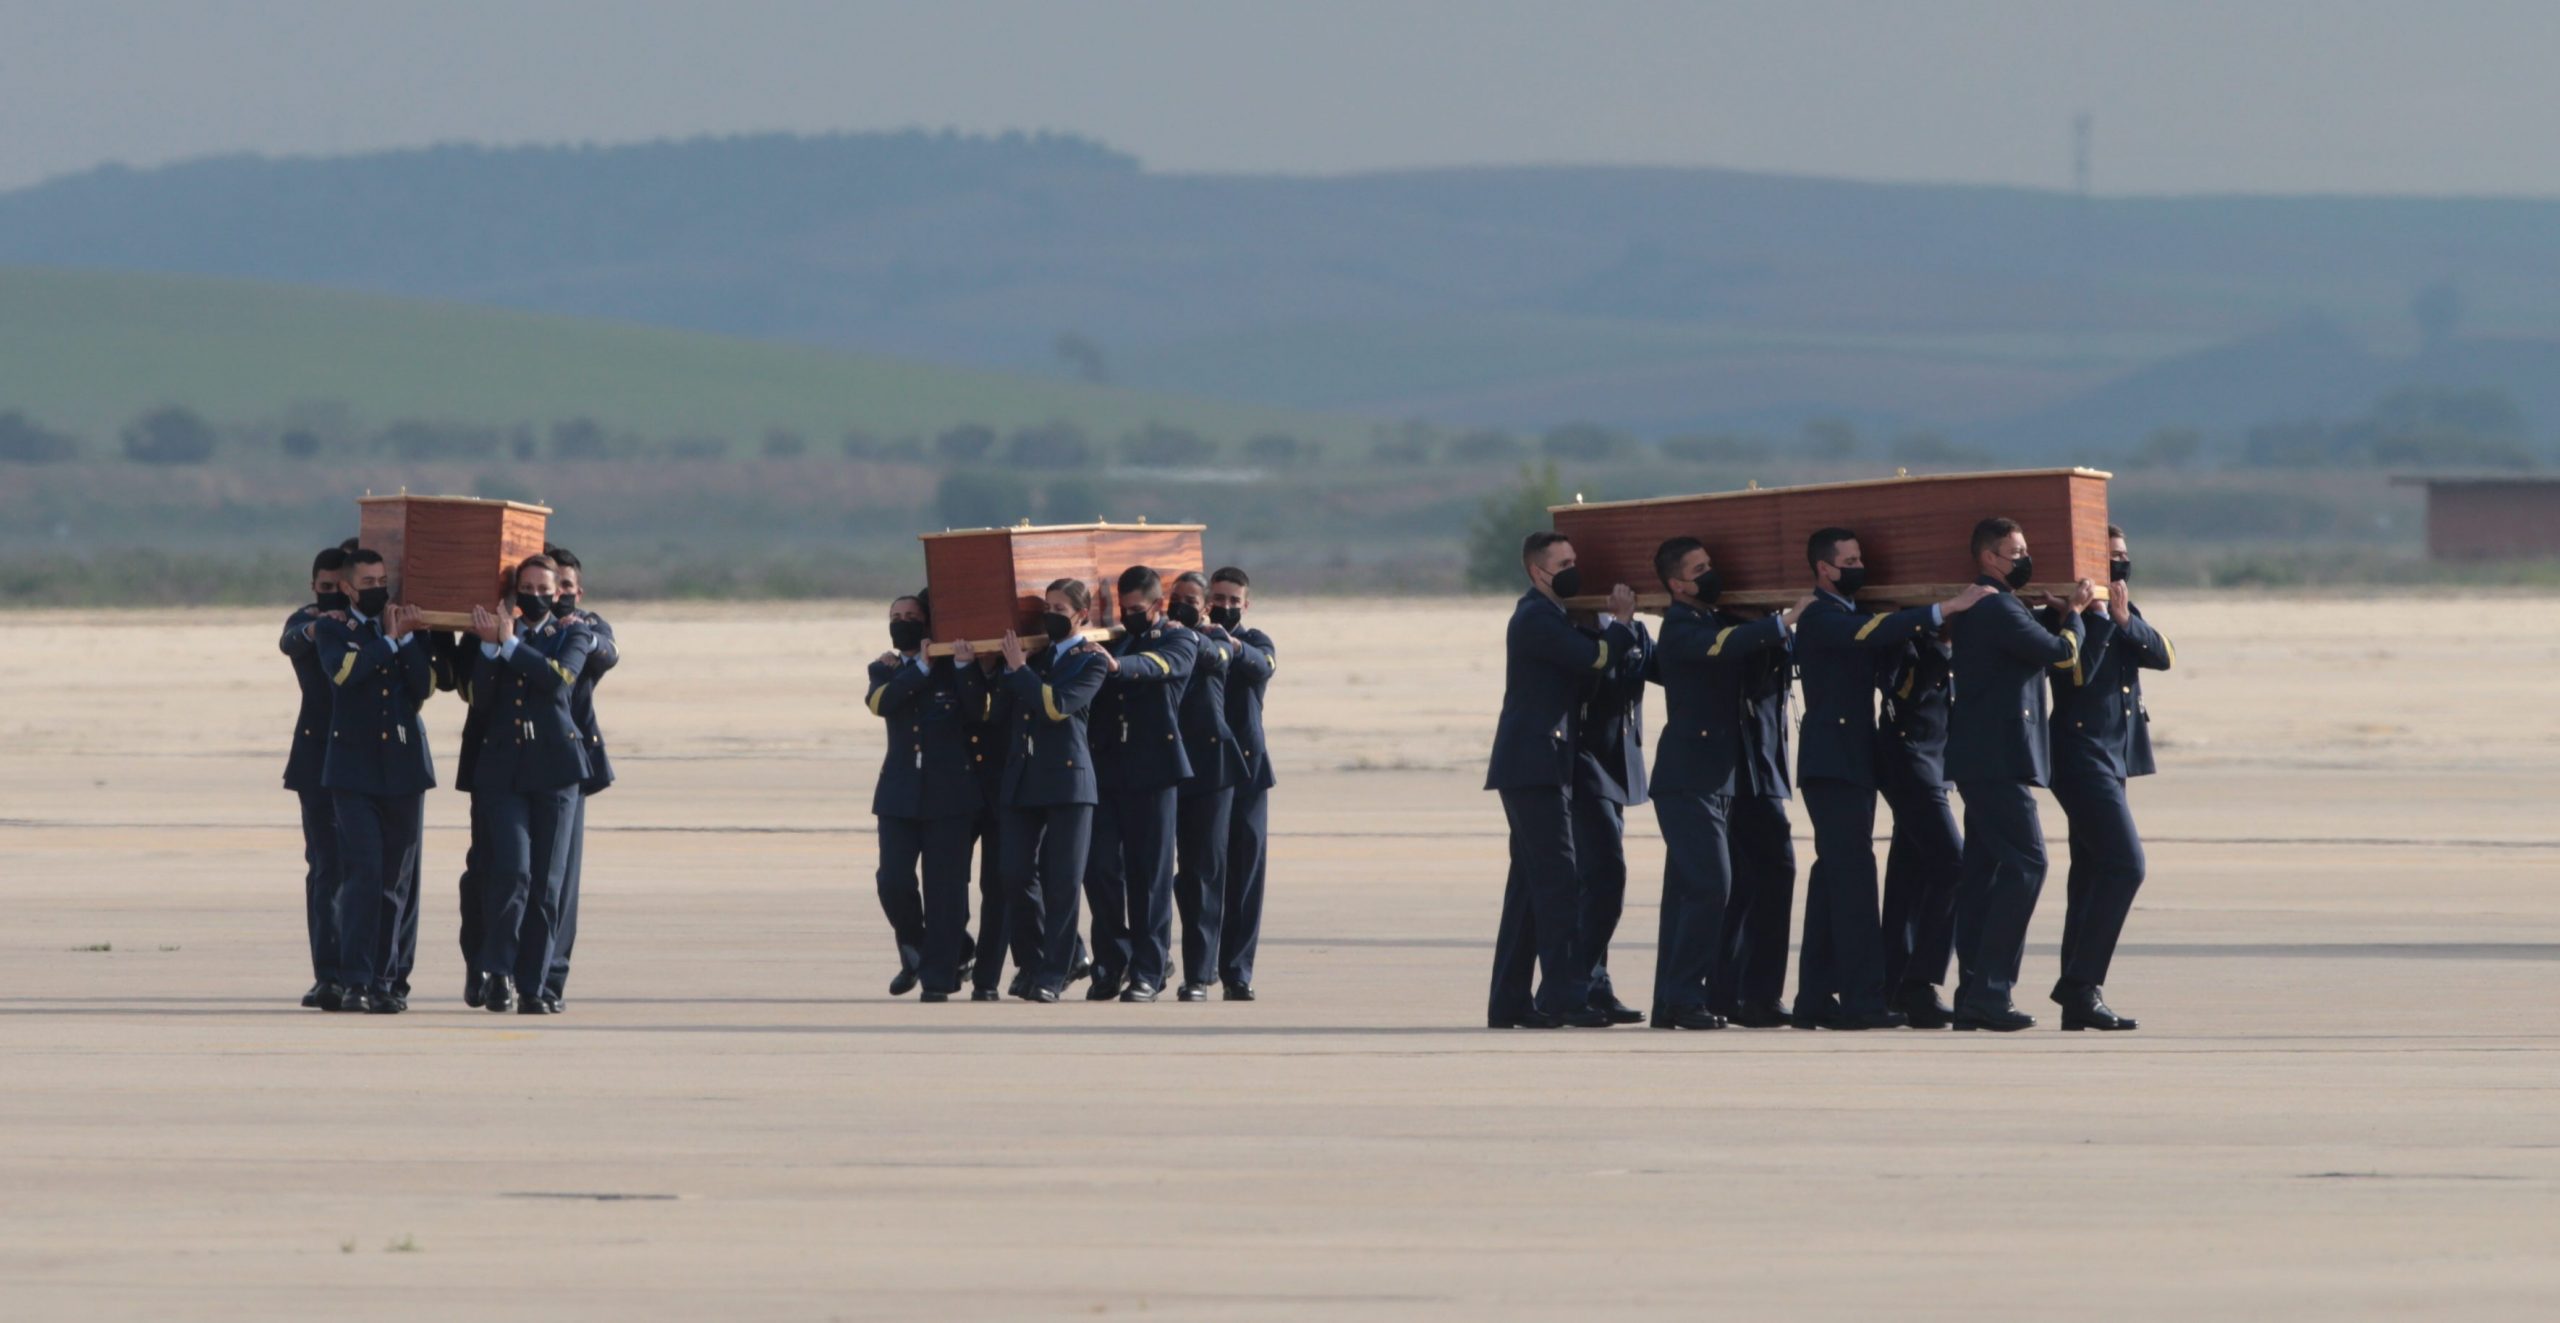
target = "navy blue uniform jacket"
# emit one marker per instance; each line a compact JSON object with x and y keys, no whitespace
{"x":528,"y":740}
{"x":1047,"y":761}
{"x":1137,"y":738}
{"x":1547,"y":667}
{"x":1838,"y":651}
{"x":1217,"y":762}
{"x":928,"y":771}
{"x":1704,"y":665}
{"x":2100,"y":727}
{"x":1996,"y":725}
{"x":1912,"y":737}
{"x":1249,"y":672}
{"x":311,"y":725}
{"x":1608,"y":735}
{"x":377,"y":744}
{"x":582,"y":701}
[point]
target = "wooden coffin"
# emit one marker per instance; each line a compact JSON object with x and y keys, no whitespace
{"x":989,"y":580}
{"x":449,"y":554}
{"x":1915,"y":533}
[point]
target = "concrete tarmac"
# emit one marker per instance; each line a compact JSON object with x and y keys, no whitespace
{"x":2344,"y":1101}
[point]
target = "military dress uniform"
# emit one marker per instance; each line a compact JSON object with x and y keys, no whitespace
{"x":1608,"y":779}
{"x":455,"y":664}
{"x":1747,"y":984}
{"x":302,"y":766}
{"x":1049,"y":795}
{"x":1204,"y":806}
{"x":1704,"y":665}
{"x":1838,"y":648}
{"x":995,"y":934}
{"x":377,"y":771}
{"x":1140,"y":766}
{"x":927,"y":803}
{"x":1927,"y":854}
{"x":1548,"y":665}
{"x":2101,"y":737}
{"x":1997,"y":753}
{"x":1249,"y":674}
{"x":582,"y":710}
{"x":530,"y":762}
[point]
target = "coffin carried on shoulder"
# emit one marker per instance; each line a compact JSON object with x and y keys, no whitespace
{"x":448,"y":554}
{"x":1915,"y":534}
{"x":988,"y":580}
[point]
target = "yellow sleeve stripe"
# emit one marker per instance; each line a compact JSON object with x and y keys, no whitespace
{"x":1909,"y":678}
{"x":1601,"y":663}
{"x":1158,"y":660}
{"x":1868,"y":628}
{"x":2072,"y":662}
{"x":1049,"y":700}
{"x":561,"y":671}
{"x":2169,"y":648}
{"x":876,"y":696}
{"x":1716,"y":649}
{"x":1271,"y":660}
{"x":346,"y":667}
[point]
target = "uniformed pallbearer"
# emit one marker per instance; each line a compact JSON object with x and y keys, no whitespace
{"x":1140,"y":764}
{"x":1204,"y":808}
{"x":1049,"y":789}
{"x":1748,"y":984}
{"x":1997,"y":754}
{"x":1927,"y":854}
{"x":309,"y":749}
{"x":378,"y":772}
{"x":1608,"y":779}
{"x":573,"y":609}
{"x":927,"y":801}
{"x":1547,"y":665}
{"x":2101,"y":737}
{"x":1249,"y":819}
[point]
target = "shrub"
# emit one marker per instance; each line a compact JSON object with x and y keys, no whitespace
{"x":170,"y":435}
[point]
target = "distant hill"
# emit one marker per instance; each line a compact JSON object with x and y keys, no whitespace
{"x":89,"y":351}
{"x":1651,"y":298}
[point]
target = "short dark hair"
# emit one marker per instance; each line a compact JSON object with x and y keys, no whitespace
{"x":349,"y":545}
{"x":1988,"y":533}
{"x":1076,"y":592}
{"x":537,"y":561}
{"x":329,"y":561}
{"x":1668,"y":556}
{"x":1193,"y":577}
{"x":1539,"y":541}
{"x":1825,"y":544}
{"x":563,"y":558}
{"x":1141,"y":583}
{"x":362,"y":556}
{"x":924,"y":602}
{"x":2114,"y":531}
{"x":1230,"y":574}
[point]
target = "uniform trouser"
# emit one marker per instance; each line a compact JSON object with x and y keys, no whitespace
{"x":1763,"y":849}
{"x":2003,"y":873}
{"x":901,"y":898}
{"x":942,"y":915}
{"x":1200,"y":878}
{"x":320,"y":882}
{"x":378,"y":881}
{"x":474,"y":896}
{"x":1843,"y":951}
{"x":524,"y":860}
{"x":555,"y":983}
{"x":1920,"y":872}
{"x":1044,"y":860}
{"x":1128,"y":881}
{"x":1600,"y":858}
{"x":1541,"y":905}
{"x":1697,"y":883}
{"x":995,"y":905}
{"x":2106,"y":870}
{"x":1240,"y":923}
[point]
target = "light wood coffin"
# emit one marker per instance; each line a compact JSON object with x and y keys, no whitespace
{"x":1915,"y":534}
{"x":988,"y":580}
{"x":448,"y":554}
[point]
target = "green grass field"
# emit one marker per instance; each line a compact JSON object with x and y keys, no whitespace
{"x":87,"y":351}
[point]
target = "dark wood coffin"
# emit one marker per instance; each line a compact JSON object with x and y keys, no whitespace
{"x":448,"y":554}
{"x":989,"y":580}
{"x":1914,"y":532}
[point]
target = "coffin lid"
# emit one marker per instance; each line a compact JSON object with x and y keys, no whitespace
{"x":370,"y":499}
{"x":1830,"y":486}
{"x":1070,"y":528}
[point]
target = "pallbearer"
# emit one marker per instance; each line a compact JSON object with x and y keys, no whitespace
{"x":1747,"y":985}
{"x":987,"y":729}
{"x":2102,"y":736}
{"x":377,"y":772}
{"x":1141,"y":766}
{"x":573,"y":609}
{"x":1547,"y":666}
{"x":1203,"y":809}
{"x":1249,"y":829}
{"x":524,"y":799}
{"x":1049,"y":791}
{"x":1927,"y":855}
{"x":310,"y":748}
{"x":1608,"y":779}
{"x":1997,"y":753}
{"x":927,"y":800}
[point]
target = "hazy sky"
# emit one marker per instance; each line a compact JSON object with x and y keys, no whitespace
{"x":2430,"y":96}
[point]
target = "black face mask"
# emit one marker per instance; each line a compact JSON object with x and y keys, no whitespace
{"x":1226,"y":617}
{"x":1567,"y":582}
{"x":1852,"y":578}
{"x":1058,"y":626}
{"x":906,"y":635}
{"x":1184,"y":614}
{"x":372,"y":600}
{"x":2120,"y":571}
{"x":533,"y":606}
{"x":332,"y":601}
{"x":1136,"y":622}
{"x":568,"y":602}
{"x":2022,"y":571}
{"x":1709,"y":587}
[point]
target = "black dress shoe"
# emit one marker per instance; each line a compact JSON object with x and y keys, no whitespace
{"x":475,"y":989}
{"x":355,"y":1001}
{"x":1879,"y":1018}
{"x":1192,"y":992}
{"x":388,"y":1003}
{"x":1236,"y":991}
{"x":1586,"y":1017}
{"x":498,"y":995}
{"x":903,"y":984}
{"x":1140,"y":992}
{"x":1083,"y":966}
{"x":1758,"y":1015}
{"x":311,"y":999}
{"x":932,"y":996}
{"x":1919,"y":1004}
{"x":986,"y":994}
{"x":533,"y":1006}
{"x":1523,"y":1019}
{"x":1035,"y":993}
{"x":1686,"y":1017}
{"x":550,"y":1004}
{"x":2001,"y":1019}
{"x":1021,"y":980}
{"x":1618,"y":1012}
{"x":968,"y":966}
{"x":1105,"y":987}
{"x":1814,"y":1013}
{"x":2088,"y":1009}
